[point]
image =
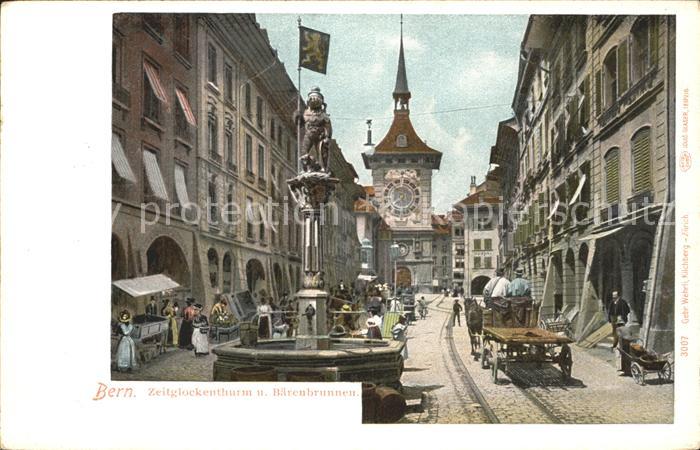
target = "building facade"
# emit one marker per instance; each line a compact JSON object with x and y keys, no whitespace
{"x":594,"y":120}
{"x":442,"y":252}
{"x":402,"y":165}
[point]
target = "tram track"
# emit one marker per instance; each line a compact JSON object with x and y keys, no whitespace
{"x":469,"y":381}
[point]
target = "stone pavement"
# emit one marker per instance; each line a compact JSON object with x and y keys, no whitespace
{"x":527,"y":394}
{"x":173,"y":365}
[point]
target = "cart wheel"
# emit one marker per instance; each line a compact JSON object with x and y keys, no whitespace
{"x":666,"y":372}
{"x":566,"y":362}
{"x":637,"y":373}
{"x":494,"y":370}
{"x":543,"y":324}
{"x":484,"y":358}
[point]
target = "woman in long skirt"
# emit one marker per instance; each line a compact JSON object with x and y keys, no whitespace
{"x":398,"y":332}
{"x":264,"y":320}
{"x":169,"y":312}
{"x":126,"y":349}
{"x":185,"y":339}
{"x":200,"y":335}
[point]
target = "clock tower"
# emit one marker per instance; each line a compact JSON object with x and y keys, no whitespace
{"x":402,"y":167}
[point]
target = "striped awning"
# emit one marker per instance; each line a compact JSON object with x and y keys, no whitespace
{"x":181,"y":186}
{"x":119,"y":161}
{"x":154,"y":80}
{"x":155,"y":178}
{"x":185,"y":105}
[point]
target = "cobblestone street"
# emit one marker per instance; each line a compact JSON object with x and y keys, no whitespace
{"x":595,"y":394}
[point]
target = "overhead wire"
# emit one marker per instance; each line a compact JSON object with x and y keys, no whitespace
{"x":430,"y":113}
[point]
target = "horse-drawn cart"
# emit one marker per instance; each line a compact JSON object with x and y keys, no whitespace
{"x":511,"y":336}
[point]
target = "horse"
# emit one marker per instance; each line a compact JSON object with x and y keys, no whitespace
{"x":474,"y":324}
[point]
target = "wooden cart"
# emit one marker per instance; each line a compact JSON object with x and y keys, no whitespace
{"x":511,"y":336}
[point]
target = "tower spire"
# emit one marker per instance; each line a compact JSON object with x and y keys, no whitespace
{"x":401,"y":93}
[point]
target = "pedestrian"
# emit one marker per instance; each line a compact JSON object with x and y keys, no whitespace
{"x":220,"y":314}
{"x":519,"y":287}
{"x":496,"y":287}
{"x":617,"y":315}
{"x":200,"y":335}
{"x":126,"y":347}
{"x":151,"y":308}
{"x":456,"y":312}
{"x":185,"y":340}
{"x":373,"y":330}
{"x":176,"y":309}
{"x":168,"y":311}
{"x":422,"y":307}
{"x":264,"y":319}
{"x":398,"y":333}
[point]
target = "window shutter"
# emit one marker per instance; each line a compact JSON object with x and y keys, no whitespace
{"x":598,"y":92}
{"x":612,"y":177}
{"x":622,"y":64}
{"x":586,"y":109}
{"x":654,"y":39}
{"x":642,"y":161}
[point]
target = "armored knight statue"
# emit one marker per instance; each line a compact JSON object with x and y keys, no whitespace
{"x":318,"y":132}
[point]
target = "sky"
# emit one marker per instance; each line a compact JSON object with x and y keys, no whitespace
{"x":452,"y":62}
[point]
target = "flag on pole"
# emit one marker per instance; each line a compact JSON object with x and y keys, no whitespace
{"x":313,"y":49}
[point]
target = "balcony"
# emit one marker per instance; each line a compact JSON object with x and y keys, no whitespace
{"x":610,"y":213}
{"x":121,"y":95}
{"x":640,"y":200}
{"x":640,"y":87}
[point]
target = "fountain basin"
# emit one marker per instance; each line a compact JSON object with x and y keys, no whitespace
{"x":348,"y":359}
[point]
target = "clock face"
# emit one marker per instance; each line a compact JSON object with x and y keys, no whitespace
{"x":402,"y":197}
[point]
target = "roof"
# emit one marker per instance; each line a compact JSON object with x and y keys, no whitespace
{"x":138,"y":287}
{"x":402,"y":125}
{"x":441,"y":224}
{"x":364,"y":206}
{"x":401,"y":86}
{"x":369,"y":190}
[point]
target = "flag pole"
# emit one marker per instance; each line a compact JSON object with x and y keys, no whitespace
{"x":300,"y":112}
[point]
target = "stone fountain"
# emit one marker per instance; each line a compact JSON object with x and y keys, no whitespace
{"x":313,"y":350}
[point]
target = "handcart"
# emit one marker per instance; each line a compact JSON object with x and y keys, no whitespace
{"x":643,"y":363}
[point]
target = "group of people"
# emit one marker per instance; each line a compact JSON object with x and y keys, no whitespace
{"x":500,"y":286}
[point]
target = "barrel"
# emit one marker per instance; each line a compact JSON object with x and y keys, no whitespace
{"x":254,"y":373}
{"x":309,"y":377}
{"x":369,"y":403}
{"x":249,"y":334}
{"x":391,"y":406}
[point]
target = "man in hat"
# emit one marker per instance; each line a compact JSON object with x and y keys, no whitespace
{"x":151,"y":308}
{"x":519,"y":287}
{"x":496,"y":287}
{"x":617,"y":315}
{"x":456,"y":312}
{"x":126,"y":348}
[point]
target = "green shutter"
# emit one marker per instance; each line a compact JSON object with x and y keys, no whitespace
{"x":654,"y":39}
{"x":612,"y":177}
{"x":641,"y":158}
{"x":598,"y":92}
{"x":622,"y":64}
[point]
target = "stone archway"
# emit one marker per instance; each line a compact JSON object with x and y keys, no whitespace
{"x":478,"y":284}
{"x":403,"y":277}
{"x":254,"y":273}
{"x":608,"y":273}
{"x":165,"y":256}
{"x":119,"y":269}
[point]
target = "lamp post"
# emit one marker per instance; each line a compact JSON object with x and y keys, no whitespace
{"x":394,"y":253}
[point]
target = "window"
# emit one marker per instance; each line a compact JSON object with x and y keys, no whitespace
{"x":249,"y":154}
{"x":279,"y":135}
{"x":230,"y":152}
{"x":488,"y":264}
{"x":155,"y":186}
{"x":641,"y":162}
{"x":183,"y":115}
{"x":261,"y":162}
{"x":487,"y":244}
{"x":641,"y":52}
{"x":259,"y":113}
{"x":182,"y":35}
{"x":583,"y":109}
{"x":612,"y":176}
{"x":117,"y":58}
{"x":213,"y":200}
{"x":261,"y":226}
{"x":610,"y":78}
{"x":401,"y":141}
{"x":227,"y":273}
{"x":477,"y":262}
{"x":477,"y":244}
{"x":211,"y":64}
{"x":273,"y":128}
{"x":212,"y":131}
{"x":151,"y":102}
{"x":228,"y":83}
{"x":213,"y":259}
{"x":229,"y":204}
{"x":250,"y":231}
{"x":248,"y":107}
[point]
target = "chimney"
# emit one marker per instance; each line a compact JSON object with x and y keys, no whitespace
{"x":472,"y":187}
{"x":369,"y":132}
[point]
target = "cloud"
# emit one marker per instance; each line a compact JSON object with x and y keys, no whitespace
{"x":486,"y":70}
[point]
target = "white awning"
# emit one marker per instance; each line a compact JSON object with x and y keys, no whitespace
{"x":366,"y":277}
{"x":138,"y":287}
{"x":602,"y":234}
{"x":155,"y":178}
{"x":181,"y":186}
{"x":185,"y":105}
{"x":154,"y":81}
{"x":121,"y":164}
{"x":263,"y":216}
{"x":581,"y":182}
{"x":554,"y":209}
